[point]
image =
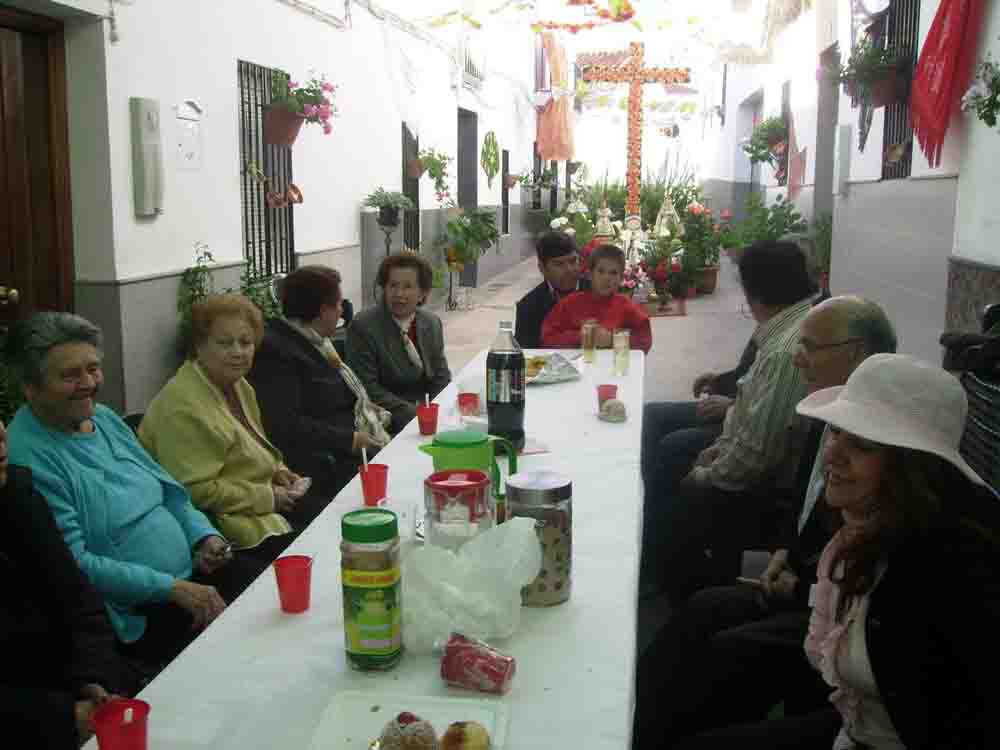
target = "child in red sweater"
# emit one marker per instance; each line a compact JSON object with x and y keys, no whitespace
{"x":602,"y":303}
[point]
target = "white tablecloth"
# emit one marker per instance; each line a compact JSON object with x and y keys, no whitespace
{"x":258,"y":678}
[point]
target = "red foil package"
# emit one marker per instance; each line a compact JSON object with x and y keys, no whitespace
{"x":475,"y":665}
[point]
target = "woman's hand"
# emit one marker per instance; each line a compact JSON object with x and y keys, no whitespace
{"x":285,"y":477}
{"x":364,"y":440}
{"x":97,"y":694}
{"x":211,"y":554}
{"x":83,"y":711}
{"x":283,"y":502}
{"x":603,"y":338}
{"x":779,"y":580}
{"x":202,"y":602}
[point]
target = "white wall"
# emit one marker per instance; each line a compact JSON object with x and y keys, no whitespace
{"x":722,"y":156}
{"x":977,"y":224}
{"x":187,"y":49}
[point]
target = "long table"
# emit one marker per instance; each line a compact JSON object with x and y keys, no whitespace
{"x":258,"y":678}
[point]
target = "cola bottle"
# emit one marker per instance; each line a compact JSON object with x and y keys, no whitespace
{"x":505,"y":373}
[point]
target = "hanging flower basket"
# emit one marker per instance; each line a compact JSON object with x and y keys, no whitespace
{"x":888,"y":89}
{"x":415,"y":169}
{"x":510,"y":181}
{"x":281,"y":126}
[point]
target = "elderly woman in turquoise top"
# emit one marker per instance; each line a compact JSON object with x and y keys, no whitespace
{"x":163,"y":570}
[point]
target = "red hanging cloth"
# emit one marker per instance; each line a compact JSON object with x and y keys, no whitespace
{"x":943,"y":71}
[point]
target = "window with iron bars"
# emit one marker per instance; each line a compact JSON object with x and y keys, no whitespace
{"x":901,"y":32}
{"x":265,"y":175}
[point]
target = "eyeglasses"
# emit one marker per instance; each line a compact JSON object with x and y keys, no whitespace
{"x":810,"y":348}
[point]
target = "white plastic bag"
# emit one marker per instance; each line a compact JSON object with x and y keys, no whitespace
{"x":476,"y":592}
{"x":558,"y":369}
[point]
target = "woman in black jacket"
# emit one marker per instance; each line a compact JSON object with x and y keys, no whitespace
{"x":906,"y":606}
{"x":314,"y":408}
{"x":59,"y":660}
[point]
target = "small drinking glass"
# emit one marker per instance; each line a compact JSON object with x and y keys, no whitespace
{"x":622,"y":347}
{"x":587,"y":331}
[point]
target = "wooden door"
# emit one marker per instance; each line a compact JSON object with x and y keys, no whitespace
{"x":36,"y":251}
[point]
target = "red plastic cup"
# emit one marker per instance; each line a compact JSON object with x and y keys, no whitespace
{"x":373,"y":482}
{"x":121,"y":724}
{"x":604,"y":392}
{"x":468,"y":404}
{"x":294,"y":574}
{"x":427,"y":419}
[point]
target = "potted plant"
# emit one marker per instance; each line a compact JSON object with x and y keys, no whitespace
{"x":983,"y":97}
{"x":388,"y":205}
{"x":766,"y":137}
{"x":467,"y":235}
{"x":415,"y":168}
{"x":293,"y":105}
{"x":701,"y":247}
{"x":436,"y":165}
{"x":874,"y":74}
{"x":489,"y":157}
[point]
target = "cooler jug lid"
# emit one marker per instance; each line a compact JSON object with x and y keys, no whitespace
{"x":460,"y":438}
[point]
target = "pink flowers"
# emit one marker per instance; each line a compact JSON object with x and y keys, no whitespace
{"x":313,"y":100}
{"x":726,"y":215}
{"x":696,"y":209}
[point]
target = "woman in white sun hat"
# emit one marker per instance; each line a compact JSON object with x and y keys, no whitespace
{"x":906,"y":611}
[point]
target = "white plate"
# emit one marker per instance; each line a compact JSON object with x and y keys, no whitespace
{"x":354,"y":719}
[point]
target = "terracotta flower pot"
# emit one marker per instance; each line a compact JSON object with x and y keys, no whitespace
{"x":509,"y":181}
{"x":707,"y":279}
{"x":886,"y":90}
{"x":281,"y":126}
{"x":415,"y":169}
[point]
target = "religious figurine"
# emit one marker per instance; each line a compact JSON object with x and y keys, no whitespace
{"x":604,"y":228}
{"x":668,"y":223}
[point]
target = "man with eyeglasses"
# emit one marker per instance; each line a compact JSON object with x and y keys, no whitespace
{"x":559,"y":263}
{"x":730,"y":647}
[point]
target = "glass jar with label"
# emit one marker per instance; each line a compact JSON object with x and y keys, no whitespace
{"x":373,"y":616}
{"x":547,"y":497}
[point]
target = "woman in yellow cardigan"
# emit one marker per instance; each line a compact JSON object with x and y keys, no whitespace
{"x":204,"y":428}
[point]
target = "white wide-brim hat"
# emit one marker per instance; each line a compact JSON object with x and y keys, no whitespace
{"x":894,"y":399}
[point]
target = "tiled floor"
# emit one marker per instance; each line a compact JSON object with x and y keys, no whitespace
{"x":710,"y":337}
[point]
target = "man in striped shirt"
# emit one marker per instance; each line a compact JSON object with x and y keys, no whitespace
{"x":721,"y":496}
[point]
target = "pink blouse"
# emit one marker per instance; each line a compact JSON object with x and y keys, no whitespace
{"x":838,"y":650}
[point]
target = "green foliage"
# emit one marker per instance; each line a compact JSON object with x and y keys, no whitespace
{"x":489,"y":158}
{"x":314,"y":100}
{"x":765,"y":135}
{"x":197,"y":283}
{"x":382,"y":198}
{"x":683,"y":193}
{"x":651,"y":194}
{"x":469,"y":235}
{"x":823,"y":241}
{"x":983,"y":97}
{"x":436,"y":163}
{"x":770,"y":222}
{"x":868,"y":62}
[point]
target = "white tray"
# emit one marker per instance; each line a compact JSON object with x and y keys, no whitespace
{"x":354,"y":719}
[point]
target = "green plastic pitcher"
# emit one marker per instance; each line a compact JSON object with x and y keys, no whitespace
{"x":470,"y":449}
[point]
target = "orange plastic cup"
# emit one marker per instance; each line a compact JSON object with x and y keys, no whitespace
{"x":121,"y":724}
{"x":294,"y":576}
{"x":373,"y":482}
{"x":427,"y":419}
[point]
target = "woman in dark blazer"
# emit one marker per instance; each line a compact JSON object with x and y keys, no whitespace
{"x":314,"y":409}
{"x":59,"y":655}
{"x":396,"y":348}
